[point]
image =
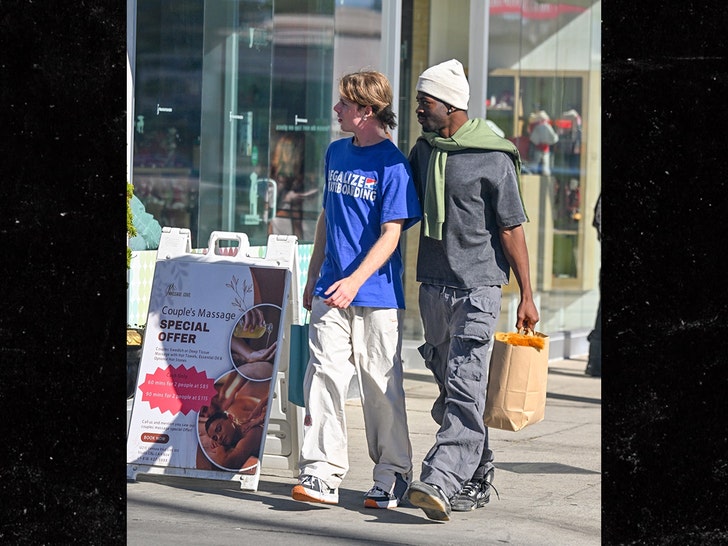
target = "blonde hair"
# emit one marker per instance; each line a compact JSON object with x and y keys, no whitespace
{"x":370,"y":88}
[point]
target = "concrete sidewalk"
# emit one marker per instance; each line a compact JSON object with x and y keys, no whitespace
{"x":548,"y":476}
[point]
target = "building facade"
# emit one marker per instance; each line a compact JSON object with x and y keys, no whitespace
{"x":231,"y":104}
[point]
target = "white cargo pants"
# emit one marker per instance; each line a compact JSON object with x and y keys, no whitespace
{"x":366,"y":341}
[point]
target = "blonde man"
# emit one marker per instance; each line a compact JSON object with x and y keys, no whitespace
{"x":355,"y":294}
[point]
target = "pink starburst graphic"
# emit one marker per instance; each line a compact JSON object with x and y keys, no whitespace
{"x":178,"y":389}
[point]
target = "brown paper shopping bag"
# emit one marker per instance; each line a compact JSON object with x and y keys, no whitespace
{"x":516,"y":395}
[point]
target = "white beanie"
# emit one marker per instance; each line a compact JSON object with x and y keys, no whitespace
{"x":446,"y":82}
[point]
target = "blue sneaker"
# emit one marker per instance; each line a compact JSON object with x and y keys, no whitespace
{"x":377,"y":497}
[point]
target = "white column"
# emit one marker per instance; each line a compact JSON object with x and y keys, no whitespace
{"x":478,"y":57}
{"x":130,"y":71}
{"x":391,"y":49}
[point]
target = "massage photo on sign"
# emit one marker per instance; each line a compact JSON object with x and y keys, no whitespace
{"x":230,"y":429}
{"x":253,"y":342}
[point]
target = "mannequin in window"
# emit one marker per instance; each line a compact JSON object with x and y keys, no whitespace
{"x":571,"y":139}
{"x":542,"y":136}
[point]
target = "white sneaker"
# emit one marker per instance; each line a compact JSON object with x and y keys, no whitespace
{"x":313,"y":489}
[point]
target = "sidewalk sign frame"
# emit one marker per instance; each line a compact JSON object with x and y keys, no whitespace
{"x":192,"y":358}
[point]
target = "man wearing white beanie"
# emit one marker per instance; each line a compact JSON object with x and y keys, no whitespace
{"x":447,"y":82}
{"x":468,"y":181}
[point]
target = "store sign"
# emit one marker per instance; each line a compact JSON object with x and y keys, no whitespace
{"x":533,"y":9}
{"x":208,"y":367}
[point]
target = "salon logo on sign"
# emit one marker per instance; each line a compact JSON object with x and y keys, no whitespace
{"x":172,"y":291}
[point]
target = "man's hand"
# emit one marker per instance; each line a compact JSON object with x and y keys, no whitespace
{"x":342,"y":293}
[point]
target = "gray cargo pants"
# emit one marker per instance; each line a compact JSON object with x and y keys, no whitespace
{"x":459,"y":325}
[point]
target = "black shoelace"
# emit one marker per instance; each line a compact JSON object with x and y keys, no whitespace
{"x":488,"y":484}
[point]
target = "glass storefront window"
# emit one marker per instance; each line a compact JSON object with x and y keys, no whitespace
{"x":541,"y":115}
{"x":168,"y":84}
{"x":300,"y":124}
{"x":233,"y":109}
{"x":236,"y":98}
{"x":539,"y":80}
{"x":233,"y":112}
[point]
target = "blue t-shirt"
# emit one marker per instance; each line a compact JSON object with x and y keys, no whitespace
{"x":365,"y":187}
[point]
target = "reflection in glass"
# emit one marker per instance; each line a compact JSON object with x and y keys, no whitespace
{"x":541,"y":115}
{"x":167,"y":86}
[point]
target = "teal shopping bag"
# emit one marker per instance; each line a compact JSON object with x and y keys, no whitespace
{"x":297,"y":363}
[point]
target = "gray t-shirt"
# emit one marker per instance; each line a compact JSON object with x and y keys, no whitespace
{"x":481,"y":196}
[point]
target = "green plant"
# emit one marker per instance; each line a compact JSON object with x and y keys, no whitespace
{"x":130,"y":229}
